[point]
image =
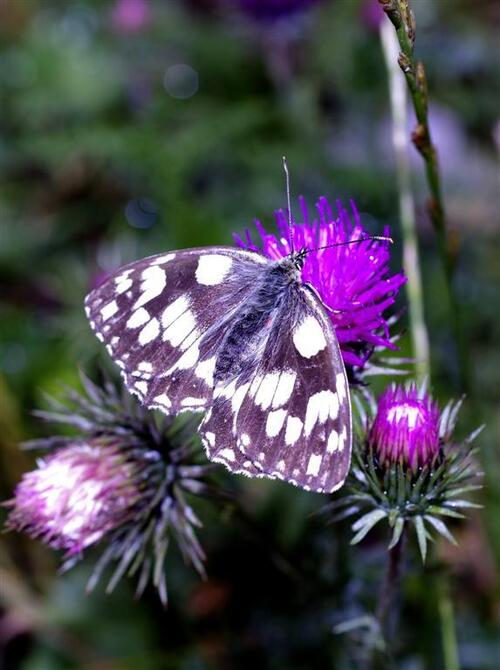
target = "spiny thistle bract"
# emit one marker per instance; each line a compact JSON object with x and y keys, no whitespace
{"x":121,"y":481}
{"x":352,"y":280}
{"x":407,"y":467}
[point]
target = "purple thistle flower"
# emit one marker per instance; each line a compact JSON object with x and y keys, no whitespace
{"x":352,"y":280}
{"x":274,"y":10}
{"x":406,"y":427}
{"x":76,"y":496}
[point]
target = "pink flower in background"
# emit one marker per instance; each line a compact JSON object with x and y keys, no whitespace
{"x":130,"y":16}
{"x":352,"y":280}
{"x":372,"y":14}
{"x":75,"y":496}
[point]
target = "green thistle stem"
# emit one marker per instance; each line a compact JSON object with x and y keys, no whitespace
{"x":447,"y":617}
{"x":401,"y":16}
{"x":389,"y":591}
{"x":411,"y":262}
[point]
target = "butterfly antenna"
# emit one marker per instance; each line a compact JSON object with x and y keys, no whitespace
{"x":289,"y":205}
{"x":380,"y":238}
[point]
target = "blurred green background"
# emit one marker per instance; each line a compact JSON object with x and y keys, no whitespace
{"x":130,"y":127}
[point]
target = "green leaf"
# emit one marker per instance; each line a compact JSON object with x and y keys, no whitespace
{"x":462,"y":503}
{"x":344,"y":501}
{"x":366,"y":523}
{"x":472,"y":436}
{"x":444,"y":511}
{"x":344,"y":514}
{"x":396,"y":534}
{"x":441,"y":528}
{"x":419,"y":483}
{"x":463,"y":489}
{"x":421,"y":536}
{"x":401,"y":485}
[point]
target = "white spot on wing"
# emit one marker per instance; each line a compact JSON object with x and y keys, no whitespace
{"x":227,"y":391}
{"x":309,"y":338}
{"x":275,"y":421}
{"x":333,"y":442}
{"x":163,"y":399}
{"x":163,"y":259}
{"x":238,"y":397}
{"x":320,"y":407}
{"x":174,"y":310}
{"x":193,"y":336}
{"x":205,"y":370}
{"x":210,"y":438}
{"x":293,"y":429}
{"x":109,"y":310}
{"x":212,"y":269}
{"x":122,"y":284}
{"x":149,"y":332}
{"x":142,"y":387}
{"x":228,"y":454}
{"x":145,"y":366}
{"x":265,"y":392}
{"x":284,"y":388}
{"x":342,"y":439}
{"x":179,"y":329}
{"x":192,"y":402}
{"x":314,"y":464}
{"x":154,"y":281}
{"x":138,"y":318}
{"x":341,"y":386}
{"x":187,"y":360}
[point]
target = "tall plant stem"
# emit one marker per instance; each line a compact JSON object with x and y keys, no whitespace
{"x":390,"y":585}
{"x":402,"y":18}
{"x":411,"y":262}
{"x":447,"y":617}
{"x":389,"y":590}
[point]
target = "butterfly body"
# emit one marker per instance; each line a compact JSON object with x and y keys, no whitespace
{"x":256,"y":318}
{"x":238,"y":336}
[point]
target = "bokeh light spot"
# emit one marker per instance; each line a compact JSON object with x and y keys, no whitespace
{"x":141,"y":213}
{"x":181,"y":81}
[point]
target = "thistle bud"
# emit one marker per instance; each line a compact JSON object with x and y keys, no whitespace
{"x":406,"y":428}
{"x":408,"y":468}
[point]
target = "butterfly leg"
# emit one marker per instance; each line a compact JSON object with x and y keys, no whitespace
{"x":332,"y":310}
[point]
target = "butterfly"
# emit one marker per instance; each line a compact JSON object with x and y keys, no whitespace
{"x":238,"y":336}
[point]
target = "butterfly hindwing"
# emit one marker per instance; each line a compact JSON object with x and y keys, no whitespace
{"x":288,"y":415}
{"x":163,"y":319}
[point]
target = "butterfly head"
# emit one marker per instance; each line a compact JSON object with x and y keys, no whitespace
{"x":294,"y":262}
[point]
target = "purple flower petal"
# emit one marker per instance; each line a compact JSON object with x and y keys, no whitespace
{"x":352,"y":280}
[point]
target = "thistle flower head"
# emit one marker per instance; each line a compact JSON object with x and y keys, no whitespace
{"x":353,"y":280}
{"x":408,"y":469}
{"x":124,"y":482}
{"x":406,"y":427}
{"x":76,"y":495}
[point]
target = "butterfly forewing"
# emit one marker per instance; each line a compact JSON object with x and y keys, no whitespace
{"x":163,"y":320}
{"x":288,"y":414}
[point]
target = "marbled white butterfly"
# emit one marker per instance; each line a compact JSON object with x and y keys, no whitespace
{"x":234,"y":334}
